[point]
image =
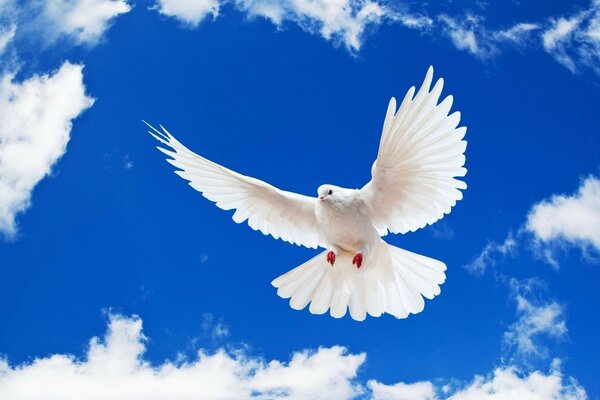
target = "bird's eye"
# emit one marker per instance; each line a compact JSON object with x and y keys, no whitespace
{"x":330,"y":191}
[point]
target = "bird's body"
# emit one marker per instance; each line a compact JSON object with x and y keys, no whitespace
{"x":342,"y":226}
{"x":413,"y":184}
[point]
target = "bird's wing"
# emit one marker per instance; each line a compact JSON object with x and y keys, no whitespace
{"x":283,"y":215}
{"x":420,"y":154}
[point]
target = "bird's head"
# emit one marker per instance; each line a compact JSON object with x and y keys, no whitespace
{"x":330,"y":193}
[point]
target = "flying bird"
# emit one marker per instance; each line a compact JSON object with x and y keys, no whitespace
{"x":413,"y":184}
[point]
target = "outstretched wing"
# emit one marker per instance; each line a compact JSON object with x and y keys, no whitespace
{"x":283,"y":215}
{"x":421,"y":152}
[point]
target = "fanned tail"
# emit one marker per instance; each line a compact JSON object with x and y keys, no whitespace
{"x":391,"y":280}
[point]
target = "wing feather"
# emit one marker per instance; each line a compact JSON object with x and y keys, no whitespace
{"x":283,"y":215}
{"x":421,"y":154}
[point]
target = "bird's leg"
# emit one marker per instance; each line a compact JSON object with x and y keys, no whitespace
{"x":332,"y":253}
{"x":357,"y":260}
{"x":331,"y":258}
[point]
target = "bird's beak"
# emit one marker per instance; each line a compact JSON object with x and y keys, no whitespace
{"x":321,"y":198}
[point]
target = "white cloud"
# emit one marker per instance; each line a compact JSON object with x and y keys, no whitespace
{"x":342,"y":21}
{"x":514,"y":380}
{"x":575,"y":40}
{"x":203,"y":258}
{"x":35,"y":123}
{"x":557,"y":38}
{"x":127,"y":163}
{"x":518,"y":34}
{"x":6,"y":35}
{"x":551,"y":225}
{"x":85,"y":21}
{"x":214,"y":329}
{"x":573,"y":219}
{"x":571,"y":40}
{"x":114,"y":368}
{"x":408,"y":19}
{"x":509,"y":383}
{"x":490,"y":254}
{"x":469,"y":34}
{"x":505,"y":383}
{"x":537,"y":320}
{"x":37,"y":24}
{"x":442,"y":231}
{"x":402,"y":391}
{"x":190,"y":12}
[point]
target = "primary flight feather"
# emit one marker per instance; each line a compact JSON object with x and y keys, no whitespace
{"x":413,"y":184}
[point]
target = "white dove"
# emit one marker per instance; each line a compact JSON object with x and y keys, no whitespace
{"x":413,"y":184}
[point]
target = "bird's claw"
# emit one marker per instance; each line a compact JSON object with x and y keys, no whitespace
{"x":357,"y":260}
{"x":331,"y":258}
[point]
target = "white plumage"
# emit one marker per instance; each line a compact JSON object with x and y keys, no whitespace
{"x":413,"y":184}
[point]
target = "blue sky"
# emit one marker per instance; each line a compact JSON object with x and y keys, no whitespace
{"x":98,"y":234}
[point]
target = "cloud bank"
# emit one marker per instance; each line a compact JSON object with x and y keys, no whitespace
{"x":114,"y":368}
{"x":343,"y":22}
{"x":572,"y":40}
{"x":35,"y":124}
{"x":510,"y":383}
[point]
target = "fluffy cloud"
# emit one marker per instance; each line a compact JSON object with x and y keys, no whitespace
{"x":537,"y":320}
{"x":505,"y":383}
{"x":553,"y":224}
{"x":509,"y":383}
{"x":575,"y":39}
{"x":79,"y":21}
{"x":190,"y":12}
{"x":574,"y":219}
{"x":402,"y":391}
{"x":35,"y":124}
{"x":114,"y":368}
{"x":571,"y":40}
{"x":85,"y":21}
{"x":342,"y":21}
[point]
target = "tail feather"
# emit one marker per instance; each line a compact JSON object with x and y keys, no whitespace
{"x":305,"y":292}
{"x":410,"y":297}
{"x":392,"y":280}
{"x":322,"y":297}
{"x":358,"y":306}
{"x":339,"y":301}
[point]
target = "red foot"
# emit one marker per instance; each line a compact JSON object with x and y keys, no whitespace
{"x":357,"y":260}
{"x":331,"y":258}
